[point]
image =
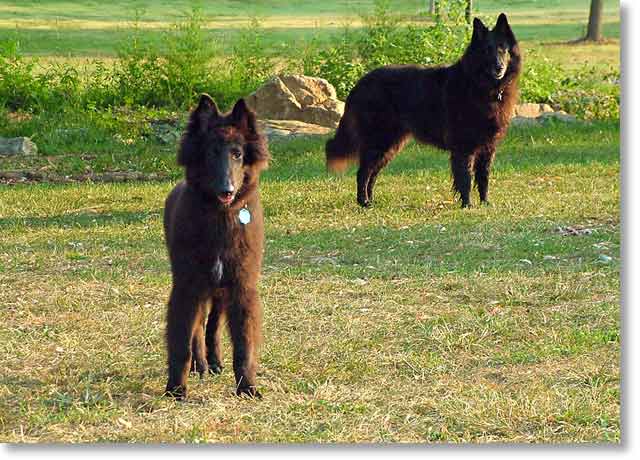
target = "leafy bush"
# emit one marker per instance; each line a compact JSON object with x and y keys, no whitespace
{"x":249,"y":65}
{"x":19,"y":85}
{"x":384,"y":40}
{"x":169,"y":74}
{"x":339,"y":64}
{"x":24,"y":84}
{"x":586,"y":92}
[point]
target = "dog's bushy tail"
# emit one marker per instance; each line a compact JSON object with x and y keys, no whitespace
{"x":343,"y":148}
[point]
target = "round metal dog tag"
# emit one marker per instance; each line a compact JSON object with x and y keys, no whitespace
{"x":244,"y":216}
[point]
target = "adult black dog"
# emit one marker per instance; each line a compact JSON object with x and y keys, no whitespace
{"x":214,"y":233}
{"x":464,"y":108}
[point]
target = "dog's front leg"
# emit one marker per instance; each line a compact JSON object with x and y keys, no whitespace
{"x":482,"y":167}
{"x":244,"y":323}
{"x":461,"y":164}
{"x":184,"y":315}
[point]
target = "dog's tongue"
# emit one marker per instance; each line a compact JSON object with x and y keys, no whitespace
{"x":225,"y":199}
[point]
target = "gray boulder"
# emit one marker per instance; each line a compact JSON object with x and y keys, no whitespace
{"x":17,"y":146}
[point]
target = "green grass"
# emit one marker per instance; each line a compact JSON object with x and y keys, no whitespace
{"x":105,"y":42}
{"x":169,"y":10}
{"x":414,"y":321}
{"x":88,"y":28}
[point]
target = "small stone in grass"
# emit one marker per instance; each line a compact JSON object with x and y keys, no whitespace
{"x":605,"y":259}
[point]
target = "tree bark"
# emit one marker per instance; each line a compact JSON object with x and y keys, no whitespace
{"x":594,"y":29}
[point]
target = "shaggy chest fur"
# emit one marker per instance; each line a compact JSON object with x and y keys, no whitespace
{"x":476,"y":116}
{"x":211,"y":241}
{"x":226,"y":243}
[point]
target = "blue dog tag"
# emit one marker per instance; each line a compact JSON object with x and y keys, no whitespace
{"x":244,"y":216}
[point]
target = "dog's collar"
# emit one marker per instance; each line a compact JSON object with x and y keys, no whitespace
{"x":499,"y":96}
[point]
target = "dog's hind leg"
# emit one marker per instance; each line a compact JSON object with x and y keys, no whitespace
{"x":198,"y":349}
{"x":364,"y":174}
{"x":183,"y":316}
{"x":244,"y":325}
{"x":381,"y":162}
{"x":461,"y":164}
{"x":214,"y":333}
{"x":482,"y":167}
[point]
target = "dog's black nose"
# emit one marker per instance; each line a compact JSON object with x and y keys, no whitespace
{"x":227,"y":190}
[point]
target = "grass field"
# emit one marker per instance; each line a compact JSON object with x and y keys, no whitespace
{"x":414,"y":321}
{"x":90,"y":29}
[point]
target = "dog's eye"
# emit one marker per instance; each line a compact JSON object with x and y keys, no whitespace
{"x":236,"y":154}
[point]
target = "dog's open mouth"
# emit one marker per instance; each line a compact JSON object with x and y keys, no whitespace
{"x":226,"y":198}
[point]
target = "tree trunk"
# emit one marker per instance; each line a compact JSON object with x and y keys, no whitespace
{"x":468,"y":10}
{"x":594,"y":29}
{"x":432,"y":6}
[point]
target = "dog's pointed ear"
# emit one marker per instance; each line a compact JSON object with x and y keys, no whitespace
{"x":243,"y":117}
{"x":200,"y":120}
{"x":206,"y":111}
{"x":504,"y":29}
{"x":479,"y":30}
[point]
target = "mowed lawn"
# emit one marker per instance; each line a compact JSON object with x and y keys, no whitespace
{"x":414,"y":321}
{"x":89,"y":29}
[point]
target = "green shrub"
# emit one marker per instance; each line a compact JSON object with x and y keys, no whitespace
{"x":339,"y":64}
{"x":25,"y":85}
{"x":19,"y":86}
{"x":384,"y":40}
{"x":166,"y":75}
{"x":241,"y":72}
{"x":249,"y":63}
{"x":586,"y":92}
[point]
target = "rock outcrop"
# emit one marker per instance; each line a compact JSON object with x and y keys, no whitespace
{"x":297,"y":97}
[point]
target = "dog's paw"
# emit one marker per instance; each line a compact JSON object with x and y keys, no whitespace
{"x":215,"y":369}
{"x":249,"y":391}
{"x":199,"y":368}
{"x":178,"y":392}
